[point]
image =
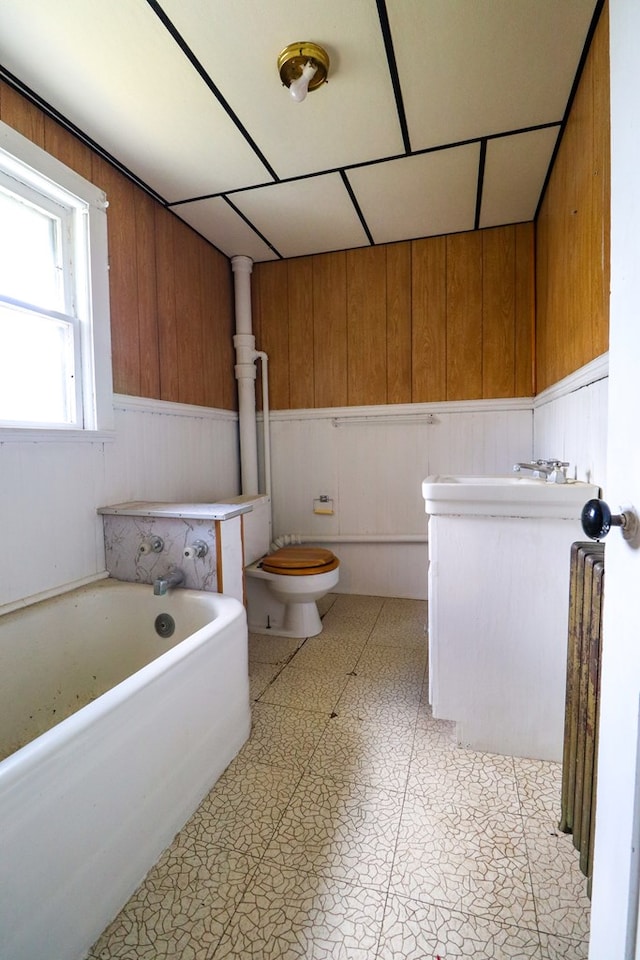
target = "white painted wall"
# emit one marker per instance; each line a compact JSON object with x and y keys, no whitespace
{"x":570,"y":422}
{"x":373,"y":469}
{"x":51,"y":536}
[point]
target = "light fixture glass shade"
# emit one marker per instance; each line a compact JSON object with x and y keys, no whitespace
{"x":303,"y":67}
{"x":300,"y":87}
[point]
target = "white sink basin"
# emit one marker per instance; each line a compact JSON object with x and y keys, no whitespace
{"x":512,"y":495}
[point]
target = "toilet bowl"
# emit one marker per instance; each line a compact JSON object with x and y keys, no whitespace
{"x":283,"y":588}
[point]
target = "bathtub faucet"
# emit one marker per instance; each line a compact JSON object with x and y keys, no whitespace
{"x":553,"y":471}
{"x":174,"y":578}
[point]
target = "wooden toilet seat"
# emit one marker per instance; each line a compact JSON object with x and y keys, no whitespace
{"x":300,"y":561}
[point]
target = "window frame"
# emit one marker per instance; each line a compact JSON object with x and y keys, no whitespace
{"x":23,"y":161}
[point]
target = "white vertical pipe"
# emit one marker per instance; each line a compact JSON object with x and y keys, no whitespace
{"x":245,"y":372}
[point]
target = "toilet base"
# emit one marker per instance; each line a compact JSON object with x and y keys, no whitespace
{"x":298,"y":620}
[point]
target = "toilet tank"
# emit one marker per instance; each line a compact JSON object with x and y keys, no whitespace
{"x":256,"y":525}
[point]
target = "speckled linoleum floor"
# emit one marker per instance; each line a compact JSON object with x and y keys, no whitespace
{"x":351,"y":826}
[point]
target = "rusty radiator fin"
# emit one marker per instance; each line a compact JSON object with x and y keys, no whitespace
{"x":584,"y":646}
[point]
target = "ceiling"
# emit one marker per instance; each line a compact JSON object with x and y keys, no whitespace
{"x":439,"y":115}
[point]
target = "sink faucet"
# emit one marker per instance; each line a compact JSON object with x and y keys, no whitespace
{"x":174,"y":578}
{"x":553,"y":471}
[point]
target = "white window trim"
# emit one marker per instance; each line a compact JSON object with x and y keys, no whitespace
{"x":96,"y":371}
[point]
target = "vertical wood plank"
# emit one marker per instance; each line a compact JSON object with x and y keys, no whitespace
{"x":188,"y":316}
{"x":524,"y":310}
{"x":222,"y":307}
{"x":464,"y":316}
{"x":67,"y":148}
{"x":366,"y":326}
{"x":499,"y":312}
{"x":20,"y":114}
{"x":123,"y":281}
{"x":211,"y":380}
{"x":166,"y":300}
{"x":399,"y":322}
{"x":147,"y":295}
{"x":601,"y":211}
{"x":330,"y":329}
{"x":428,"y":320}
{"x":274,"y":330}
{"x":300,"y":313}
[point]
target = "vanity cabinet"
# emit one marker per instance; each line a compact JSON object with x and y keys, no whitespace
{"x":498,"y":589}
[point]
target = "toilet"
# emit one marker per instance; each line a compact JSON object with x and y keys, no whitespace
{"x":283,"y":587}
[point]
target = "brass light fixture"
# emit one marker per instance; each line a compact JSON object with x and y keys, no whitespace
{"x":303,"y":66}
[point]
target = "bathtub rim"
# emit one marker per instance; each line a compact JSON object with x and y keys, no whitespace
{"x":19,"y":763}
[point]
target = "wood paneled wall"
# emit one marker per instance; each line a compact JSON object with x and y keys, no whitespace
{"x":572,"y":244}
{"x":171,"y":291}
{"x":446,"y":318}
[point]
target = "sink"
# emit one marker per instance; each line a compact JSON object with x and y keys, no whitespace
{"x":511,"y":495}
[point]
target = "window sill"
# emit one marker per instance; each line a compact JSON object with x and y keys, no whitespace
{"x":40,"y":435}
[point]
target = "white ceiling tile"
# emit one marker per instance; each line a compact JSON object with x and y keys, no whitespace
{"x":419,"y":196}
{"x":221,"y":225}
{"x":470,"y":68}
{"x":113,"y":69}
{"x":304,"y":216}
{"x":349,"y":120}
{"x":514,"y":174}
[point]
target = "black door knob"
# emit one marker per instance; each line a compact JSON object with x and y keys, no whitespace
{"x":597,"y":519}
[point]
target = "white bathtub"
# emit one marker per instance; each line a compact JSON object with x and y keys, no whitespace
{"x":87,"y":807}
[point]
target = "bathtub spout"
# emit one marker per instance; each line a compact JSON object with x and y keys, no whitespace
{"x":174,"y":578}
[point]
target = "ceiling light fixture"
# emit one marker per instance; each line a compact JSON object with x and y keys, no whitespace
{"x":302,"y":67}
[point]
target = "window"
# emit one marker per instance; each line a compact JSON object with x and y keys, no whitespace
{"x":55,"y":357}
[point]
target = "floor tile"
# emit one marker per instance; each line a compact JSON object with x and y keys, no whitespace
{"x":539,"y":786}
{"x":379,"y":699}
{"x":267,"y":649}
{"x":351,"y":618}
{"x":559,"y":887}
{"x":321,"y":655}
{"x":282,"y":736}
{"x":182,"y":908}
{"x":243,"y":809}
{"x":337,"y":829}
{"x":465,"y":777}
{"x":421,"y":931}
{"x":261,"y":675}
{"x":296,"y":688}
{"x":292,"y":916}
{"x":362,"y":751}
{"x":559,"y":948}
{"x":466,"y":859}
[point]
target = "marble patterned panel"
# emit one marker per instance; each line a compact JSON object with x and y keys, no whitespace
{"x":286,"y":915}
{"x":421,"y":931}
{"x":337,"y":829}
{"x":125,"y":538}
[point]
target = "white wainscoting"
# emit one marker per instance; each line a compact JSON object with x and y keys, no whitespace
{"x":570,"y":422}
{"x":371,"y":462}
{"x":51,"y":537}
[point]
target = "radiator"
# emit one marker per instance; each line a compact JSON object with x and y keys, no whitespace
{"x":579,"y":764}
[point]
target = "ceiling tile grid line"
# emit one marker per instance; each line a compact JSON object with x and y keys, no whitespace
{"x":438,"y":117}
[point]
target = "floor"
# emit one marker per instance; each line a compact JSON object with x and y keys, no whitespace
{"x":352,"y":827}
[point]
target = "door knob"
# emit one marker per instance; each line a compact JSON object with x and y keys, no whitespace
{"x":597,"y":520}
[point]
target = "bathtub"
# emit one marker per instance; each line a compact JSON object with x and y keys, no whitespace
{"x":139,"y":729}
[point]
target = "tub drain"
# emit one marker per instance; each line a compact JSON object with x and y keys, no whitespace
{"x":165,"y":625}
